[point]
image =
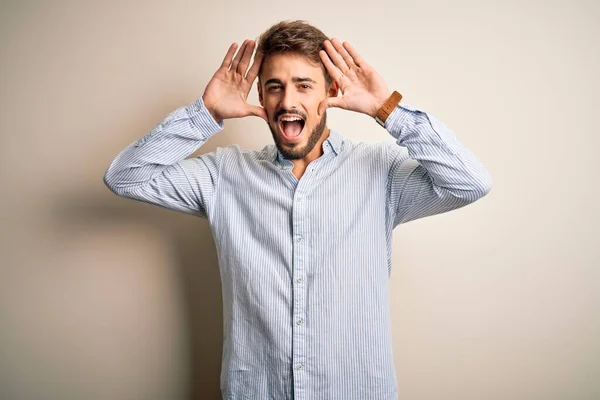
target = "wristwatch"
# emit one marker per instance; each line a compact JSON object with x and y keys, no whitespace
{"x":387,"y":108}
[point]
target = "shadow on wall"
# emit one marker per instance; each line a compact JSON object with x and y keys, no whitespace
{"x":133,"y":308}
{"x":186,"y":275}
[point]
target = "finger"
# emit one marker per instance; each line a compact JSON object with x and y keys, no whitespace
{"x":358,"y":60}
{"x":331,"y":102}
{"x":253,"y":71}
{"x":238,"y":56}
{"x":229,"y":56}
{"x":243,"y":65}
{"x":335,"y":57}
{"x":334,"y":71}
{"x":344,"y":53}
{"x":259,"y":112}
{"x":322,"y":106}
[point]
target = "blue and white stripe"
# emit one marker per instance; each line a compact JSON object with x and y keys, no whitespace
{"x":304,"y":264}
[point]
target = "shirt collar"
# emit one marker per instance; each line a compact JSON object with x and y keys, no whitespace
{"x":333,"y":143}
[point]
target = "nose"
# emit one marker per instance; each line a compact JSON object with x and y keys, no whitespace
{"x":288,"y":102}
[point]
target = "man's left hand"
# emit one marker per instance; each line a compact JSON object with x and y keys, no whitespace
{"x":363,"y":89}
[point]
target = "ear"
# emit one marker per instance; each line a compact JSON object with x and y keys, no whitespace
{"x":260,"y":96}
{"x":333,"y":89}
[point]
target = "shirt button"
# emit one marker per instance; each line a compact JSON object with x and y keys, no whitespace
{"x":299,"y":322}
{"x":299,"y":366}
{"x":299,"y":279}
{"x":299,"y":198}
{"x":298,"y":239}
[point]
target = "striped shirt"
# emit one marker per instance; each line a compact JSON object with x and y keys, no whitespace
{"x":304,"y":264}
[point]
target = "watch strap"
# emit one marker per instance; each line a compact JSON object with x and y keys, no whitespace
{"x":387,"y":108}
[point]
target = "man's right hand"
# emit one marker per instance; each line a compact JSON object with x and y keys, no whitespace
{"x":226,"y":94}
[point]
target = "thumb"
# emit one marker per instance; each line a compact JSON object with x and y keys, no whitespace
{"x":331,"y":102}
{"x":259,"y":112}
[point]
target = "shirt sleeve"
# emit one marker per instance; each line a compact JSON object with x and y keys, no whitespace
{"x":154,"y":170}
{"x":437,"y":175}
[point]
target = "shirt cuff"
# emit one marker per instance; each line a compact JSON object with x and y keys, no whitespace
{"x":203,"y":119}
{"x":395,"y":121}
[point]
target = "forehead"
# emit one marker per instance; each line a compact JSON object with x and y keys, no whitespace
{"x":288,"y":65}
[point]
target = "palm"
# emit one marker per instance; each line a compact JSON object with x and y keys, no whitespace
{"x":227,"y":92}
{"x":363,"y":89}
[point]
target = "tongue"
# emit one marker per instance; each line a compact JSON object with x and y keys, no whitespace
{"x":292,"y":128}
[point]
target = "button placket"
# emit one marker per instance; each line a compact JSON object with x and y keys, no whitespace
{"x":299,"y":303}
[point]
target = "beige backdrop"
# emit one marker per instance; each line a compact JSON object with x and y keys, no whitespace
{"x":105,"y":298}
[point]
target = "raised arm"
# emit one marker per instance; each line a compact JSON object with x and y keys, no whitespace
{"x":438,"y":174}
{"x":154,"y":170}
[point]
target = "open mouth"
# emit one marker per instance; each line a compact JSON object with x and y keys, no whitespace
{"x":291,"y":126}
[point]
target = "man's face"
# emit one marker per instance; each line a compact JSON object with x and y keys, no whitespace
{"x":290,"y":90}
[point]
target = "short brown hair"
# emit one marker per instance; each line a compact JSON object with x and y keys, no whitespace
{"x":298,"y":37}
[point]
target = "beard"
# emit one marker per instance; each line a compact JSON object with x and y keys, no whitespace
{"x":295,"y":153}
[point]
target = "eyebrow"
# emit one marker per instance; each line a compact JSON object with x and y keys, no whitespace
{"x":295,"y":79}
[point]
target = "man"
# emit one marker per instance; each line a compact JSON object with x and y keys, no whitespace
{"x":303,"y":228}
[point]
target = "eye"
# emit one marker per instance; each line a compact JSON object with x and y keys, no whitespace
{"x":274,"y":88}
{"x":304,"y":86}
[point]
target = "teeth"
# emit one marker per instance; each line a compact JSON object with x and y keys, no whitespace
{"x":291,"y":119}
